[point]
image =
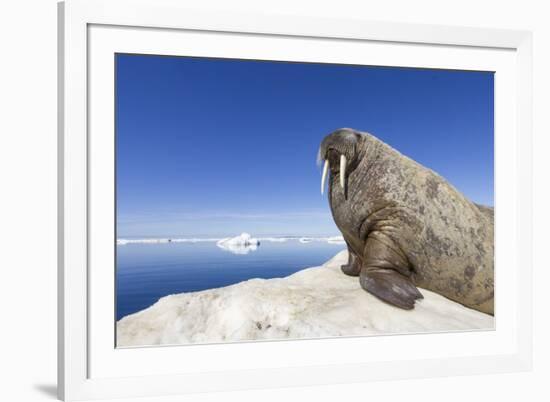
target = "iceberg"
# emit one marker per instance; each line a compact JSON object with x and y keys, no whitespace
{"x":242,"y":244}
{"x":312,"y":303}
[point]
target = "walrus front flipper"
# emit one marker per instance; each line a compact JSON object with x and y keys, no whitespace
{"x":384,"y":273}
{"x":390,"y":286}
{"x":353,"y":267}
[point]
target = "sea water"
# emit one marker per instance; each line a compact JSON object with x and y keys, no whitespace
{"x":147,"y":272}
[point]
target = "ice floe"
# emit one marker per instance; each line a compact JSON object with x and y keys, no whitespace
{"x":314,"y":302}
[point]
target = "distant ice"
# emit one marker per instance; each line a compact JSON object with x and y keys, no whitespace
{"x":336,"y":240}
{"x":331,"y":240}
{"x":275,"y":239}
{"x":282,"y":239}
{"x":163,"y":240}
{"x":242,"y":244}
{"x":314,"y":302}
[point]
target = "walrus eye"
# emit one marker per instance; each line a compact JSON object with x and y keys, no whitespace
{"x":342,"y":170}
{"x":324,"y":177}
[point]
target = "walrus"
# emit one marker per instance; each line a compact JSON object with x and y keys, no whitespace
{"x":405,"y":226}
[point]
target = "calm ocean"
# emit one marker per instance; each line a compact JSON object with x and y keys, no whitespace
{"x":147,"y":272}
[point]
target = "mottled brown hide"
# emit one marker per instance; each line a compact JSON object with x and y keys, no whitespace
{"x":406,"y":226}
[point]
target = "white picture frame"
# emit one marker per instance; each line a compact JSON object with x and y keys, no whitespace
{"x":89,"y":365}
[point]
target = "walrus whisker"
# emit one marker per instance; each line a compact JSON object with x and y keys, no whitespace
{"x":324,"y":177}
{"x":342,"y":170}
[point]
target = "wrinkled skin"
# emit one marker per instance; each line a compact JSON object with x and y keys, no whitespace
{"x":406,"y":226}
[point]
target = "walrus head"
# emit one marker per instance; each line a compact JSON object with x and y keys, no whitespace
{"x":340,"y":152}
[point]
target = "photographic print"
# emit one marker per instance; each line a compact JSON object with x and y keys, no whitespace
{"x":269,"y":200}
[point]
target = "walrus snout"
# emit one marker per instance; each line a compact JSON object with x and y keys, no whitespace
{"x":338,"y":150}
{"x":341,"y":142}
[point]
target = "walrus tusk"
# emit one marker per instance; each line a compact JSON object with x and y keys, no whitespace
{"x":324,"y":177}
{"x":342,"y":170}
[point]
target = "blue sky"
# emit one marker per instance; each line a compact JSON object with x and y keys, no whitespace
{"x":211,"y":147}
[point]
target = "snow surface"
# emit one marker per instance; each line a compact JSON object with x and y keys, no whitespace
{"x":242,"y":244}
{"x":314,"y":302}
